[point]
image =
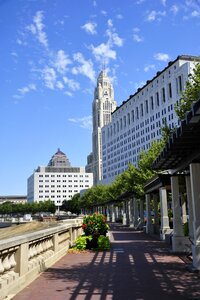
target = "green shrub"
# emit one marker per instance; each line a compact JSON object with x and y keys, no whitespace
{"x":95,"y":225}
{"x":103,"y":243}
{"x":81,"y":242}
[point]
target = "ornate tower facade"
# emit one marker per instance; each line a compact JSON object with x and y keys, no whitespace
{"x":102,"y":107}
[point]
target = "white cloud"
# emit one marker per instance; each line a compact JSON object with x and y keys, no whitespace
{"x":85,"y":68}
{"x":24,"y":90}
{"x":37,"y":28}
{"x":139,"y":1}
{"x":163,"y":2}
{"x":161,"y":56}
{"x":149,"y":67}
{"x":136,"y":29}
{"x":138,"y":85}
{"x":174,"y":9}
{"x":59,"y":85}
{"x":72,"y":84}
{"x":61,"y":61}
{"x":119,"y":16}
{"x":155,"y":15}
{"x":195,"y":13}
{"x":68,"y":93}
{"x":103,"y":51}
{"x":110,"y":23}
{"x":85,"y":122}
{"x":113,"y":36}
{"x":137,"y":38}
{"x":49,"y":76}
{"x":103,"y":12}
{"x":90,"y":27}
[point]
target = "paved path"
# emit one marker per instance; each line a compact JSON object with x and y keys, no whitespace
{"x":137,"y":267}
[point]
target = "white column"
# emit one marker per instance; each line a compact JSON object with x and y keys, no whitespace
{"x":149,"y":227}
{"x":131,"y":212}
{"x":164,"y":218}
{"x":136,"y":213}
{"x":156,"y":219}
{"x":179,"y":242}
{"x":184,"y":211}
{"x":141,"y":203}
{"x":113,"y":213}
{"x":190,"y":208}
{"x":195,"y":188}
{"x":108,"y":213}
{"x":124,"y":213}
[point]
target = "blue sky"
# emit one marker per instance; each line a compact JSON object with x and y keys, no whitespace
{"x":51,"y":53}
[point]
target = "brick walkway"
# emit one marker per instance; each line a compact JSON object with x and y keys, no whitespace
{"x":137,"y":267}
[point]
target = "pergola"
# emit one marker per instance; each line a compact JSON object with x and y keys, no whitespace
{"x":181,"y":155}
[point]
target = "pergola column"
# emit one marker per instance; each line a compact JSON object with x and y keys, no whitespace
{"x":136,"y":213}
{"x":113,"y":213}
{"x":108,"y":213}
{"x":190,"y":207}
{"x":131,"y":212}
{"x":179,"y":242}
{"x":124,"y":213}
{"x":156,"y":219}
{"x":149,"y":227}
{"x":184,"y":210}
{"x":141,"y":204}
{"x":195,"y":188}
{"x":164,"y":218}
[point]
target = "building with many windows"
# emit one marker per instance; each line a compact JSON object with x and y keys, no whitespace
{"x":58,"y":181}
{"x":138,"y":121}
{"x":102,"y":107}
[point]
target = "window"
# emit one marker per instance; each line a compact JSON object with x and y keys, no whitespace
{"x":152,"y":106}
{"x":146,"y":105}
{"x":137,"y":113}
{"x":170,"y":90}
{"x":180,"y":83}
{"x":129,"y":118}
{"x":163,"y":95}
{"x":124,"y":121}
{"x":141,"y":109}
{"x":132,"y":115}
{"x":157,"y":99}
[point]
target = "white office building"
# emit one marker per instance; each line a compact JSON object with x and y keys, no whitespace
{"x":58,"y":181}
{"x":137,"y":121}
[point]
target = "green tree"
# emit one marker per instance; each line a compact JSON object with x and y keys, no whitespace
{"x":190,"y":95}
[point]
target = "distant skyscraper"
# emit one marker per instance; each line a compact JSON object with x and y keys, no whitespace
{"x":102,"y":107}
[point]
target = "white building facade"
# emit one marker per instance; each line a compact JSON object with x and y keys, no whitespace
{"x":102,"y":107}
{"x":138,"y":121}
{"x":58,"y":181}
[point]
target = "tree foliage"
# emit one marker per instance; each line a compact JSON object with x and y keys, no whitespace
{"x":131,"y":180}
{"x":190,"y":95}
{"x":27,"y":208}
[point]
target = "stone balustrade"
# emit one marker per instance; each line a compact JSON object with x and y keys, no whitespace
{"x":24,"y":257}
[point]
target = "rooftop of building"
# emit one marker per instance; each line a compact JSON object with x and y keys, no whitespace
{"x":59,"y":159}
{"x":179,"y":57}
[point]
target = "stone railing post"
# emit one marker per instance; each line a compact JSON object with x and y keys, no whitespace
{"x":22,"y":259}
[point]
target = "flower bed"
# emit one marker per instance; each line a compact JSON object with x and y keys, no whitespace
{"x":95,"y":229}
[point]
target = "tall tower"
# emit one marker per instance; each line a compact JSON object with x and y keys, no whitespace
{"x":102,"y":107}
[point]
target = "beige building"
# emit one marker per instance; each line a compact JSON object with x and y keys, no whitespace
{"x":102,"y":107}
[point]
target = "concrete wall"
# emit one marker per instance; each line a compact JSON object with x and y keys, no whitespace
{"x":24,"y":257}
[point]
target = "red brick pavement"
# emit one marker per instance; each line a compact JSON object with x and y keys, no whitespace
{"x":137,"y":267}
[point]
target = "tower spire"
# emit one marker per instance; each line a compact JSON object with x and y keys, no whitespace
{"x":104,"y":65}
